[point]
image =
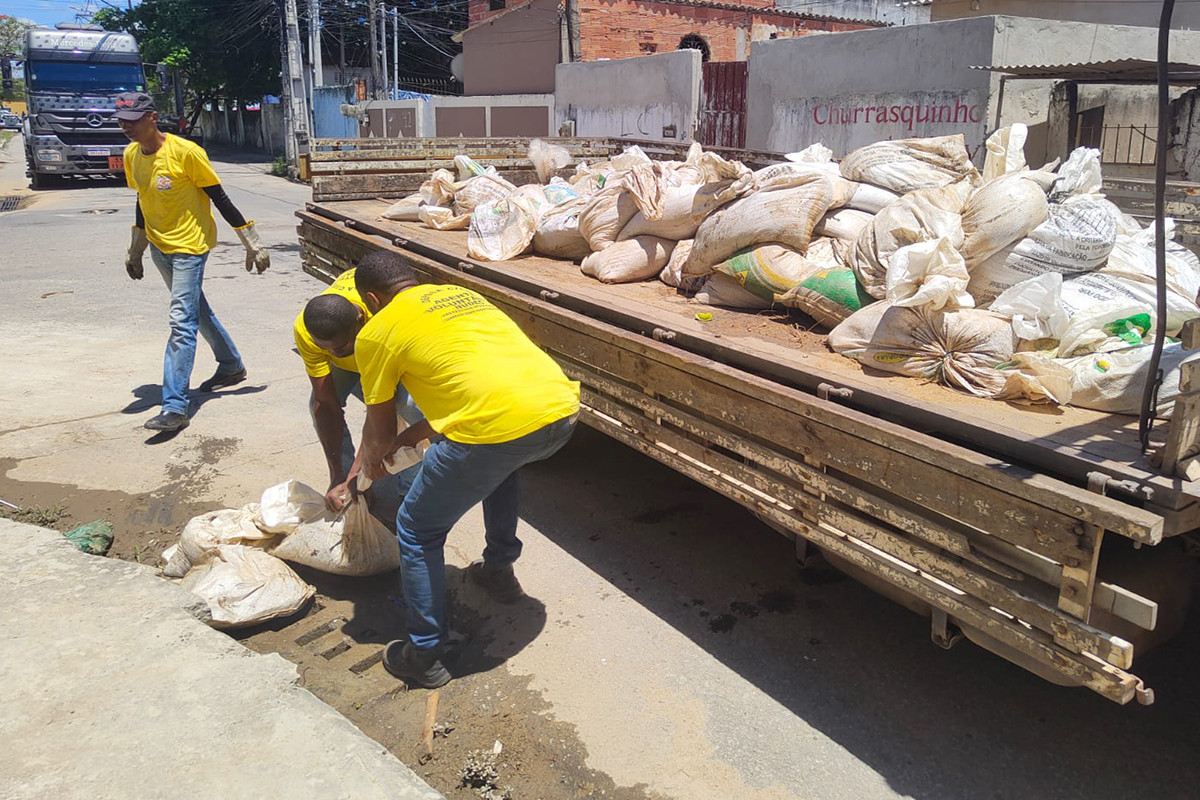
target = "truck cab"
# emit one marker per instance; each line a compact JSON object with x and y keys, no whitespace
{"x":73,"y":75}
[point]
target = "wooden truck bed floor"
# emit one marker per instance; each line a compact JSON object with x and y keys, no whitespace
{"x":1067,"y":441}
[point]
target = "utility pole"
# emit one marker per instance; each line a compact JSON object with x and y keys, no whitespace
{"x":285,"y":90}
{"x":314,"y":44}
{"x":373,"y":36}
{"x":295,"y":83}
{"x":573,"y":39}
{"x":395,"y":49}
{"x":383,"y":48}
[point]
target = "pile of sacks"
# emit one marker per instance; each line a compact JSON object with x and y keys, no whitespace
{"x":1019,"y":284}
{"x":234,"y":559}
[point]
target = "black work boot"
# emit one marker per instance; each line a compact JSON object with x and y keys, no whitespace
{"x":167,"y":421}
{"x":420,"y":668}
{"x":500,"y":583}
{"x":222,"y":379}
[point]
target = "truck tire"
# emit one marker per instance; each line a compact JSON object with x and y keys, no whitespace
{"x":41,"y":180}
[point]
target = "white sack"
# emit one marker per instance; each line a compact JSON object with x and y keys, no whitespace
{"x":607,"y":212}
{"x":787,"y":175}
{"x":469,"y":168}
{"x":354,"y":544}
{"x":683,"y":209}
{"x":557,"y":234}
{"x":1001,"y":212}
{"x":478,"y":190}
{"x":905,"y":165}
{"x":1005,"y":151}
{"x":1105,"y":309}
{"x":548,"y":158}
{"x":633,"y":156}
{"x":928,"y":274}
{"x":1080,"y":175}
{"x":631,"y":260}
{"x":207,"y":531}
{"x":502,"y":229}
{"x":813,"y":154}
{"x":443,"y":219}
{"x":559,"y":191}
{"x":845,"y":224}
{"x":1034,"y":378}
{"x":722,"y":290}
{"x":784,"y":216}
{"x":1132,"y":257}
{"x":869,"y":198}
{"x":960,"y":348}
{"x":1113,"y":381}
{"x":406,"y":209}
{"x":284,"y":506}
{"x":1076,"y":238}
{"x":245,"y":586}
{"x":1036,"y":307}
{"x":439,"y":189}
{"x":672,"y":273}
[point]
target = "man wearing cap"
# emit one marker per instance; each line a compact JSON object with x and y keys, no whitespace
{"x":175,"y":183}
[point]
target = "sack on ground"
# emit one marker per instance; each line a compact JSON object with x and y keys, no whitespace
{"x":919,"y":216}
{"x":767,"y":270}
{"x":1001,"y":212}
{"x":1113,"y":381}
{"x":607,"y":212}
{"x":1005,"y":151}
{"x":502,"y":229}
{"x":845,"y":224}
{"x":406,"y":209}
{"x":207,"y":531}
{"x":829,"y":296}
{"x":1076,"y":238}
{"x":284,"y":506}
{"x":636,"y":259}
{"x":548,"y":158}
{"x":557,"y":234}
{"x":355,"y":544}
{"x":245,"y":586}
{"x":905,"y":165}
{"x":960,"y":348}
{"x":683,"y":209}
{"x":928,"y":274}
{"x":785,"y":216}
{"x":719,"y":289}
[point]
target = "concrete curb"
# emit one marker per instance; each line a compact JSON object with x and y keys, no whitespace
{"x":110,"y":686}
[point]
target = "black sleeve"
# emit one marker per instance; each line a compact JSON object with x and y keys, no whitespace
{"x":228,"y":211}
{"x":138,"y":219}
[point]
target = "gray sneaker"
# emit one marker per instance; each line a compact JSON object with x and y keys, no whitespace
{"x":415,"y":667}
{"x":500,"y":583}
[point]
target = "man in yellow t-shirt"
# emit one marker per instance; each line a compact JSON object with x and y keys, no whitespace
{"x":175,"y":183}
{"x":324,"y":333}
{"x":498,"y":401}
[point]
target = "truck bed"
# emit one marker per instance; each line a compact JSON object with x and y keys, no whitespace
{"x":1070,"y":443}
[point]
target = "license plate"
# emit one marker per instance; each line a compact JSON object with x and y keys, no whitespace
{"x":116,"y":162}
{"x":98,"y":151}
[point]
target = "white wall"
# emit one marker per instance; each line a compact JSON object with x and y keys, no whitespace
{"x":635,"y":97}
{"x":889,"y":11}
{"x":1106,"y":12}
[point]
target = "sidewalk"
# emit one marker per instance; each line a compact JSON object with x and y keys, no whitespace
{"x":110,"y":687}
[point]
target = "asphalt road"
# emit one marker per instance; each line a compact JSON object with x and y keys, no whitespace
{"x":689,"y":653}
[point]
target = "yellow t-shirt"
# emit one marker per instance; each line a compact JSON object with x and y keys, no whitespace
{"x":170,"y":184}
{"x":475,"y":374}
{"x":316,"y":360}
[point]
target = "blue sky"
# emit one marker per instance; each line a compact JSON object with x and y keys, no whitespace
{"x":48,"y":12}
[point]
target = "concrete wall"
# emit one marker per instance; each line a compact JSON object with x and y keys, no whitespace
{"x":515,"y":54}
{"x":888,"y":11}
{"x":1108,"y":12}
{"x":519,"y":115}
{"x":254,"y":130}
{"x":636,"y":97}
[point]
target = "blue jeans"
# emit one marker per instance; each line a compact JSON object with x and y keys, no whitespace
{"x":347,"y":383}
{"x":453,"y":478}
{"x":184,"y":274}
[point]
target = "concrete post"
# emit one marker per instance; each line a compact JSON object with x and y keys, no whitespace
{"x":1062,"y":120}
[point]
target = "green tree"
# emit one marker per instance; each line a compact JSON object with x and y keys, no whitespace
{"x":15,"y":93}
{"x":12,"y":35}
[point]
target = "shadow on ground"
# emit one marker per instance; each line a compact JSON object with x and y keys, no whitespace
{"x":934,"y":724}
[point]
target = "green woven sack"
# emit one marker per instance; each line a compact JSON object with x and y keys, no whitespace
{"x":829,"y":296}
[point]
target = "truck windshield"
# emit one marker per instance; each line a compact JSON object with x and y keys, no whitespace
{"x":83,"y":78}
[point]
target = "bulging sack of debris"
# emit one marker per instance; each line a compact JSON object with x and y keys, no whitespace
{"x":442,"y":218}
{"x":725,"y":291}
{"x":479,"y":190}
{"x":645,"y":185}
{"x":672,"y":273}
{"x":767,"y":270}
{"x":788,"y":174}
{"x":559,"y":191}
{"x":203,"y":533}
{"x":871,"y":199}
{"x":548,"y":158}
{"x":406,"y":209}
{"x":1080,"y":175}
{"x":784,"y":216}
{"x":928,"y":274}
{"x":636,"y":259}
{"x":844,"y":224}
{"x":1035,"y":307}
{"x":830,"y":296}
{"x":1076,"y":238}
{"x":633,"y":156}
{"x":1001,"y":212}
{"x":1113,"y":381}
{"x":813,"y":154}
{"x":1132,"y":258}
{"x":284,"y":506}
{"x":961,"y":348}
{"x":683,"y":209}
{"x":1109,"y":311}
{"x":607,"y":212}
{"x":439,"y":189}
{"x":1005,"y":151}
{"x":905,"y":165}
{"x":469,"y":168}
{"x":354,"y":544}
{"x":245,"y":586}
{"x":557,"y":234}
{"x":919,"y":216}
{"x":502,"y":229}
{"x":1032,"y":378}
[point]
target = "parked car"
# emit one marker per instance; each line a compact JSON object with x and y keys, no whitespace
{"x":11,"y":121}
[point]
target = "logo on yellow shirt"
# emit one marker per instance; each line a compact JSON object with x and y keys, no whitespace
{"x":164,"y":183}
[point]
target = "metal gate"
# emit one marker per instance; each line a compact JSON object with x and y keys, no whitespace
{"x":723,"y":104}
{"x":328,"y":121}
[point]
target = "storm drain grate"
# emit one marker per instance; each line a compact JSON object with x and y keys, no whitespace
{"x":10,"y":202}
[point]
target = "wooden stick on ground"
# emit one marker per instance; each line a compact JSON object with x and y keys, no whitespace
{"x":431,"y":704}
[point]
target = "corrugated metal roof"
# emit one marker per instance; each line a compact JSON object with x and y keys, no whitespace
{"x":1125,"y":70}
{"x":458,"y":37}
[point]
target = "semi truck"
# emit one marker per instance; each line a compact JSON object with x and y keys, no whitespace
{"x":72,"y":76}
{"x":1049,"y":538}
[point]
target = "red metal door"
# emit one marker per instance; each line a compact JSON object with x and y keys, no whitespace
{"x":723,"y":104}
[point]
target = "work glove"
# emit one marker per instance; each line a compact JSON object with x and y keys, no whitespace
{"x":137,"y":248}
{"x":256,"y":254}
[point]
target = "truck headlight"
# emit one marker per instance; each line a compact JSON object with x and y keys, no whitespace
{"x":49,"y":155}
